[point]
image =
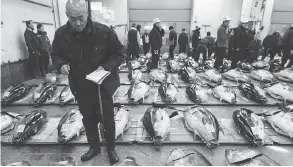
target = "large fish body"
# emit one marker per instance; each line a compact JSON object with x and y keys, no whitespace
{"x":236,"y":76}
{"x":28,"y":126}
{"x":143,"y":60}
{"x":138,"y":91}
{"x":157,"y":123}
{"x":204,"y":124}
{"x":7,"y":121}
{"x":70,"y":126}
{"x":14,"y":93}
{"x":191,"y":63}
{"x":51,"y":77}
{"x":260,"y":64}
{"x":43,"y":92}
{"x":210,"y":63}
{"x":173,"y":65}
{"x":122,"y":120}
{"x":281,"y":121}
{"x":187,"y":74}
{"x":168,"y":92}
{"x":20,"y":163}
{"x":158,"y":75}
{"x":225,"y":93}
{"x":247,"y":157}
{"x":66,"y":96}
{"x":251,"y":126}
{"x":128,"y":161}
{"x":196,"y":93}
{"x":262,"y":75}
{"x":187,"y":157}
{"x":213,"y":75}
{"x":249,"y":91}
{"x":245,"y":67}
{"x":65,"y":161}
{"x":134,"y":64}
{"x":281,"y":91}
{"x":135,"y":75}
{"x":285,"y":75}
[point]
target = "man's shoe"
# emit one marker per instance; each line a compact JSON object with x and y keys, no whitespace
{"x":113,"y":157}
{"x":90,"y":154}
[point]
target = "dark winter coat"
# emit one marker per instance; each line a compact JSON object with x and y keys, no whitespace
{"x":288,"y":39}
{"x":31,"y":40}
{"x":270,"y":41}
{"x":183,"y":39}
{"x":85,"y":51}
{"x":45,"y":44}
{"x":173,"y":37}
{"x":240,"y":38}
{"x":156,"y":38}
{"x":195,"y":38}
{"x":132,"y":37}
{"x":254,"y":46}
{"x":222,"y":37}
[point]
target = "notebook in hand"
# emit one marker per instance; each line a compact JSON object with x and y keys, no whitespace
{"x":98,"y":76}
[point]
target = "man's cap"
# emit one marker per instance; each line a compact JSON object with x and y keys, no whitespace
{"x":183,"y":29}
{"x":226,"y":18}
{"x":133,"y":25}
{"x":244,"y":20}
{"x":156,"y":20}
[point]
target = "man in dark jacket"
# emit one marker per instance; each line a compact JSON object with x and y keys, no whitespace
{"x":133,"y":43}
{"x":45,"y":48}
{"x":79,"y":48}
{"x":202,"y":47}
{"x":270,"y":44}
{"x":32,"y":43}
{"x":222,"y":42}
{"x":172,"y":41}
{"x":195,"y":38}
{"x":288,"y":47}
{"x":230,"y":44}
{"x":183,"y":41}
{"x":254,"y":49}
{"x":156,"y":35}
{"x":146,"y":42}
{"x":240,"y":43}
{"x":211,"y":44}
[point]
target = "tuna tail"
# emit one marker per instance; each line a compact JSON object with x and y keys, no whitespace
{"x":62,"y":140}
{"x":212,"y":144}
{"x":158,"y":140}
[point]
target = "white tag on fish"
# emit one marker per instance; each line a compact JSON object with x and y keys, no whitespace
{"x":65,"y":127}
{"x":6,"y":94}
{"x":210,"y":128}
{"x":20,"y":128}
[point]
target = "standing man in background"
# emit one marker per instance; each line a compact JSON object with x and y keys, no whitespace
{"x":195,"y":40}
{"x":33,"y":44}
{"x":146,"y":41}
{"x":79,"y":48}
{"x":202,"y":47}
{"x":288,"y":47}
{"x":211,"y":44}
{"x":254,"y":49}
{"x":133,"y":39}
{"x":156,"y":40}
{"x":172,"y":41}
{"x":183,"y":41}
{"x":240,"y":43}
{"x":222,"y":42}
{"x":45,"y":48}
{"x":270,"y":44}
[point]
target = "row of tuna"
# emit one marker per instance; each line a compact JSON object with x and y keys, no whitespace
{"x":70,"y":125}
{"x":188,"y":157}
{"x":39,"y":96}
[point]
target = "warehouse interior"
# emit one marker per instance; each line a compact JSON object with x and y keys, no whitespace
{"x":266,"y":17}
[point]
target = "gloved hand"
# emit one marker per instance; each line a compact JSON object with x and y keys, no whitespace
{"x":156,"y":52}
{"x":65,"y":69}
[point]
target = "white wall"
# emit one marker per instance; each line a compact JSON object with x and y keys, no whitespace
{"x":13,"y":15}
{"x":212,"y":12}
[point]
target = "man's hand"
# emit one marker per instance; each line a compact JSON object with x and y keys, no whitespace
{"x":65,"y":69}
{"x":100,"y":68}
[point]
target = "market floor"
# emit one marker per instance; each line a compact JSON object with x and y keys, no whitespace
{"x":144,"y":154}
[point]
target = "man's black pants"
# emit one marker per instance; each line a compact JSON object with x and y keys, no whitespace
{"x":201,"y":48}
{"x":132,"y":52}
{"x":287,"y":56}
{"x":155,"y":59}
{"x":35,"y":64}
{"x":220,"y":55}
{"x":239,"y":55}
{"x":146,"y":48}
{"x":171,"y":50}
{"x":45,"y":56}
{"x":182,"y":48}
{"x":91,"y":116}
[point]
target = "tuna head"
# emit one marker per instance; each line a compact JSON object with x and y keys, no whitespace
{"x":157,"y":124}
{"x":137,"y":92}
{"x":168,"y":92}
{"x":158,"y":75}
{"x":65,"y":96}
{"x":135,"y":75}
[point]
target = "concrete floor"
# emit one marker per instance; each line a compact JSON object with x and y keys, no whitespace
{"x":146,"y":155}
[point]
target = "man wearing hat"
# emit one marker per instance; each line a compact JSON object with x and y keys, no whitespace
{"x":222,"y":42}
{"x":288,"y":47}
{"x":240,"y":43}
{"x":183,"y":41}
{"x":173,"y":41}
{"x":133,"y":40}
{"x":156,"y":35}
